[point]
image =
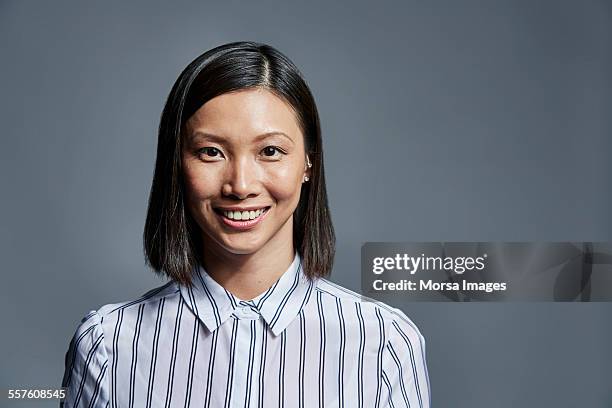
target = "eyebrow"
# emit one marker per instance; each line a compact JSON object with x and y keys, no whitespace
{"x":222,"y":140}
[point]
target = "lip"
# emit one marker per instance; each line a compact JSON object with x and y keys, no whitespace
{"x":241,"y":225}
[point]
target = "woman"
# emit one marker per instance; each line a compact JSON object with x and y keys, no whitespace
{"x":238,"y":220}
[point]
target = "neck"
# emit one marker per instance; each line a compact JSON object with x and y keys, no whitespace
{"x":248,"y":275}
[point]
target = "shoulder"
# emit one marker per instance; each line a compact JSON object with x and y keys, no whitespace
{"x":373,"y":311}
{"x":402,"y":346}
{"x":86,"y":363}
{"x":90,"y":337}
{"x":103,"y":320}
{"x":148,"y":302}
{"x":87,"y":337}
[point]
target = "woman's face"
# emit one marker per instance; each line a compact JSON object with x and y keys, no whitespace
{"x":244,"y":164}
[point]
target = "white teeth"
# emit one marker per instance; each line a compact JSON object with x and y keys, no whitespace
{"x":243,"y":215}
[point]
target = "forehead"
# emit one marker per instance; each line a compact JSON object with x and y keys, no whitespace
{"x":245,"y":114}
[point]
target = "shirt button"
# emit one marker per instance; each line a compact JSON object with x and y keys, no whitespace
{"x":246,"y":313}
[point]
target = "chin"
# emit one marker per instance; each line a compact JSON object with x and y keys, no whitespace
{"x":241,"y":251}
{"x":242,"y":248}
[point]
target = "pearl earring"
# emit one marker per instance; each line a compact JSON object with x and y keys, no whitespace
{"x":309,"y":164}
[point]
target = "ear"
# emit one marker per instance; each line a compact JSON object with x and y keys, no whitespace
{"x":307,"y":167}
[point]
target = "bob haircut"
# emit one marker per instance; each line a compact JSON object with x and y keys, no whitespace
{"x":172,"y":238}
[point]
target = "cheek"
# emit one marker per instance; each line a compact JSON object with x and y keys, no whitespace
{"x":197,"y":186}
{"x":285,"y":183}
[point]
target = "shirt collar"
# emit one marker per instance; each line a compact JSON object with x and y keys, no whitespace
{"x":279,"y":305}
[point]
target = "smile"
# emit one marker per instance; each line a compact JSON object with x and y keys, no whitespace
{"x":244,"y":215}
{"x":242,"y":219}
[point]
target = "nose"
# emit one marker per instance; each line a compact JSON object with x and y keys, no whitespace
{"x":242,"y":179}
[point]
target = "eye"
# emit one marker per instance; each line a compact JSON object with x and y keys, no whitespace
{"x":210,"y":153}
{"x":271,"y":152}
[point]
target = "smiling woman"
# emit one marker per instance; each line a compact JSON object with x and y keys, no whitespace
{"x":238,"y":221}
{"x":244,"y":164}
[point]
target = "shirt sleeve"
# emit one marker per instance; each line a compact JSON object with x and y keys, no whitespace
{"x":86,"y":363}
{"x":405,"y":376}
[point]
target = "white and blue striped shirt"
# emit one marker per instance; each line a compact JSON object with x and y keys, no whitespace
{"x":299,"y":344}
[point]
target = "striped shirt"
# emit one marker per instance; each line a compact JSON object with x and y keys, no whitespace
{"x":301,"y":343}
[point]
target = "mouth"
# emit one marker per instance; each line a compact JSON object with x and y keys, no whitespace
{"x":242,"y":219}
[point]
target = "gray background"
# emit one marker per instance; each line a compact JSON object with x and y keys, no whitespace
{"x":445,"y":121}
